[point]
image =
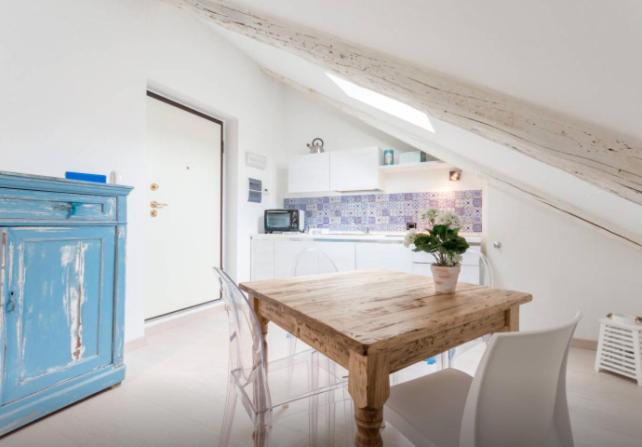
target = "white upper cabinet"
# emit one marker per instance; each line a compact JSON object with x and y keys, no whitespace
{"x":356,"y":169}
{"x":309,"y":173}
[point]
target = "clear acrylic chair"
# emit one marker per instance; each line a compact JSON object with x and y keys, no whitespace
{"x":486,"y":278}
{"x":517,"y":397}
{"x":248,"y":376}
{"x":310,"y":261}
{"x":313,"y":260}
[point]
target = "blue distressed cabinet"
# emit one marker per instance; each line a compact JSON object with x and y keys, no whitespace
{"x":62,"y":265}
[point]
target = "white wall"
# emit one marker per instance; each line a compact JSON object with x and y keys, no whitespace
{"x":567,"y":265}
{"x":73,"y":83}
{"x":306,"y":119}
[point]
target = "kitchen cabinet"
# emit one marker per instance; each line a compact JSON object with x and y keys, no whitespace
{"x":286,"y":252}
{"x":470,"y":265}
{"x":276,"y":255}
{"x":62,"y":290}
{"x":341,"y":253}
{"x":342,"y":171}
{"x":356,"y":169}
{"x":383,"y":255}
{"x":309,"y":173}
{"x":290,"y":251}
{"x":262,"y":259}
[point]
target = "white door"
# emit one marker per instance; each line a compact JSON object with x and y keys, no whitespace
{"x":183,"y":209}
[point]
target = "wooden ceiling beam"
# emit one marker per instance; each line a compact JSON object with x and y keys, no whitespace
{"x":592,"y":153}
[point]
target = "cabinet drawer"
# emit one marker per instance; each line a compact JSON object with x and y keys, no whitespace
{"x":38,"y":205}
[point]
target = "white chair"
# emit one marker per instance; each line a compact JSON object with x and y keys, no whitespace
{"x":249,"y":369}
{"x":517,"y":397}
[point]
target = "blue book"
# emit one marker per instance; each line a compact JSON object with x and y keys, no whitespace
{"x":96,"y":178}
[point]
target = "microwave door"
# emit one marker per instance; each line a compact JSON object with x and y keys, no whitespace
{"x":277,"y":221}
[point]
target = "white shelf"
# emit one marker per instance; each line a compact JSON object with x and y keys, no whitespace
{"x":408,"y":167}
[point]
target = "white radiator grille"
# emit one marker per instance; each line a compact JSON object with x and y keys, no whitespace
{"x":619,"y":349}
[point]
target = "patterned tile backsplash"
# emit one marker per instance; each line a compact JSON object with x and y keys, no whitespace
{"x":388,"y":212}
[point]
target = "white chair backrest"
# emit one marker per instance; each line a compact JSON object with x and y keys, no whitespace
{"x":312,"y":261}
{"x":518,"y":396}
{"x":247,"y":366}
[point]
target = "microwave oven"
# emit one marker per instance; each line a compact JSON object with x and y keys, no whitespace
{"x":284,"y":220}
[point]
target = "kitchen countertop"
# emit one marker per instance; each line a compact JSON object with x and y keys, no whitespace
{"x":473,"y":239}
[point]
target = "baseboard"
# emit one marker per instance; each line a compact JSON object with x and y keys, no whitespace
{"x":31,"y":408}
{"x":582,"y":343}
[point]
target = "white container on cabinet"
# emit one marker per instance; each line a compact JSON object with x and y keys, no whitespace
{"x":309,"y":173}
{"x":356,"y":169}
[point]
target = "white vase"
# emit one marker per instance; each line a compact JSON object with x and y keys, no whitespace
{"x":445,"y":278}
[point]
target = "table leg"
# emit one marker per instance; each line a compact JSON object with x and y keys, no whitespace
{"x":512,"y":319}
{"x":369,"y":387}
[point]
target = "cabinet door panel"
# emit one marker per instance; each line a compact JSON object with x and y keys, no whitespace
{"x":58,"y":305}
{"x":262,"y":266}
{"x":286,"y":255}
{"x":355,"y":169}
{"x":341,"y":255}
{"x":309,"y":173}
{"x":381,"y":255}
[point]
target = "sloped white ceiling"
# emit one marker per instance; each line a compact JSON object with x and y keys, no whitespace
{"x":459,"y":147}
{"x":580,"y":57}
{"x":402,"y":32}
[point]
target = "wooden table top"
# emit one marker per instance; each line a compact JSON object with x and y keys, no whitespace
{"x":377,"y":309}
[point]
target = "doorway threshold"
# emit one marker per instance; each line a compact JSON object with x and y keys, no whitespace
{"x":162,"y":319}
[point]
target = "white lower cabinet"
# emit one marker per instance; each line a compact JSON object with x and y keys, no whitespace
{"x":382,"y":255}
{"x":277,"y":258}
{"x":470,"y":267}
{"x":262,"y":259}
{"x":286,"y":252}
{"x":324,"y":256}
{"x":341,"y":254}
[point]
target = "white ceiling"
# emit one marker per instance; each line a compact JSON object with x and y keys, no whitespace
{"x":580,"y":57}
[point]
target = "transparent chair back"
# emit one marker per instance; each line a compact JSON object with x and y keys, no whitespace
{"x":312,"y":261}
{"x":486,"y":274}
{"x":248,"y":373}
{"x":247,"y":359}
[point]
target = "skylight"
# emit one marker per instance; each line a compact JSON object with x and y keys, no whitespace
{"x":383,"y":103}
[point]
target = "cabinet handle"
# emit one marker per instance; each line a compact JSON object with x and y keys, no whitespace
{"x":11,"y":305}
{"x":70,"y":207}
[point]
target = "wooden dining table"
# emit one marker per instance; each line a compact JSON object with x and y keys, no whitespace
{"x":376,"y":322}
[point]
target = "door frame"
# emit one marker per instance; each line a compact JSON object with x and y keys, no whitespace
{"x":221,"y":123}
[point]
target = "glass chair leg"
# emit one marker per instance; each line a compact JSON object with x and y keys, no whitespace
{"x":228,"y":416}
{"x":313,"y":402}
{"x":332,"y":379}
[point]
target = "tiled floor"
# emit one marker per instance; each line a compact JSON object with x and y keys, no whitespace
{"x":176,"y":383}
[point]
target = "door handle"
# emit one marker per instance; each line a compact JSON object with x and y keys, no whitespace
{"x":154,"y":204}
